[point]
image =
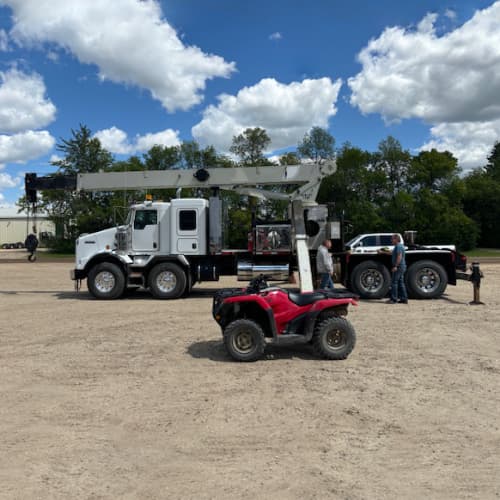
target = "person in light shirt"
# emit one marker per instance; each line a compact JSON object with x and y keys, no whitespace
{"x":324,"y":265}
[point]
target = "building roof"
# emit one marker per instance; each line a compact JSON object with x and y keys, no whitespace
{"x":12,"y":213}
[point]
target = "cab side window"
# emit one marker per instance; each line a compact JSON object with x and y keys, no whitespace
{"x":369,"y":241}
{"x":187,"y":220}
{"x":145,"y":218}
{"x":386,"y":241}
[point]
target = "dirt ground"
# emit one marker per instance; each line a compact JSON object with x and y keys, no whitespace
{"x":137,"y":398}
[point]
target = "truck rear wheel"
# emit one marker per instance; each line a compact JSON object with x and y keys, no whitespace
{"x":167,"y":281}
{"x":106,"y":281}
{"x":371,"y":280}
{"x":426,"y":279}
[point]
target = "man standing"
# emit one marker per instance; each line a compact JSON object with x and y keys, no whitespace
{"x":398,"y":288}
{"x":324,"y":265}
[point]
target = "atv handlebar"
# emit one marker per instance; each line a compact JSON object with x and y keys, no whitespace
{"x":258,"y":283}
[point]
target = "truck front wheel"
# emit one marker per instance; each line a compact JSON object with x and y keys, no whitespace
{"x":426,"y":279}
{"x":371,"y":280}
{"x":106,"y":281}
{"x":167,"y":281}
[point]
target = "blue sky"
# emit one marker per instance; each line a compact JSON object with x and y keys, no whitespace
{"x":139,"y":73}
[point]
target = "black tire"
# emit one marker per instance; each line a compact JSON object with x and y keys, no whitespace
{"x":106,"y":281}
{"x":244,"y":340}
{"x":371,"y":280}
{"x":167,"y":281}
{"x":333,"y":338}
{"x":426,"y":279}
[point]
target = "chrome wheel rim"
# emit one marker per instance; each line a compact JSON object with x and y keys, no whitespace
{"x":105,"y":281}
{"x":428,"y":280}
{"x":166,"y":281}
{"x":372,"y":280}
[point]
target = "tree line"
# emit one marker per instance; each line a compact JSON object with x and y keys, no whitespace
{"x":387,"y":190}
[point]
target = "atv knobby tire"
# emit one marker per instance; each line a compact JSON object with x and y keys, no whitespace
{"x":244,"y":340}
{"x":333,"y":338}
{"x":106,"y":281}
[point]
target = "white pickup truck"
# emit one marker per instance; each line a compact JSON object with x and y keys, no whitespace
{"x":371,"y":243}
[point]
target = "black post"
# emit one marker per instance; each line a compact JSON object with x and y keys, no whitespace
{"x":476,"y":283}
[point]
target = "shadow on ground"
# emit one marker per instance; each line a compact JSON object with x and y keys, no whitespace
{"x":215,"y":351}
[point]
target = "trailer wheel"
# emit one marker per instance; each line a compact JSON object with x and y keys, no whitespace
{"x":167,"y":281}
{"x":371,"y":280}
{"x":106,"y":281}
{"x":333,"y":338}
{"x":244,"y":340}
{"x":426,"y":279}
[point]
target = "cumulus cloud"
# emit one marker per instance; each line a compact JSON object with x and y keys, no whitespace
{"x":129,"y":41}
{"x":470,"y":142}
{"x":23,"y":104}
{"x":414,"y":73}
{"x":446,"y":80}
{"x":287,"y":112}
{"x":275,"y":36}
{"x":116,"y":140}
{"x":4,"y":41}
{"x":7,"y":181}
{"x":24,"y":146}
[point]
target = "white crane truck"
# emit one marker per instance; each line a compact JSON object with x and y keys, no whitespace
{"x":167,"y":247}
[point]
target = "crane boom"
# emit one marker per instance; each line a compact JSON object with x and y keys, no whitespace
{"x":244,"y":180}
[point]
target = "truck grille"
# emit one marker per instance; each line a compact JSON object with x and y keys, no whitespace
{"x":122,"y":240}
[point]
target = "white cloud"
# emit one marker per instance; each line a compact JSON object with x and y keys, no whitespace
{"x":7,"y":181}
{"x":450,"y":14}
{"x":451,"y":82}
{"x":286,"y":112}
{"x":19,"y":148}
{"x":129,"y":41}
{"x":275,"y":36}
{"x":116,"y":140}
{"x":23,"y":104}
{"x":470,"y":142}
{"x":416,"y":74}
{"x":4,"y":41}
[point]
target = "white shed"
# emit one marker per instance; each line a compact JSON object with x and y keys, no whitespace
{"x":14,"y":226}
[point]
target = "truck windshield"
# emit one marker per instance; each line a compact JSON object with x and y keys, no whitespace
{"x":129,"y":217}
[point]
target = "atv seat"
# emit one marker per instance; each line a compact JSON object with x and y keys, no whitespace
{"x":306,"y":298}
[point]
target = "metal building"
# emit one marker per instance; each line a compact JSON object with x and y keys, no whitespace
{"x":14,"y":226}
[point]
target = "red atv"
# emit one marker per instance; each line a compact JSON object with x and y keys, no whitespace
{"x":260,"y":314}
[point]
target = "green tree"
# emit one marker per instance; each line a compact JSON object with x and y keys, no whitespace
{"x":481,"y":203}
{"x":393,"y":161}
{"x":75,"y":213}
{"x":250,"y":146}
{"x":492,"y":168}
{"x":289,"y":158}
{"x":433,"y":169}
{"x":161,"y":157}
{"x":318,"y":144}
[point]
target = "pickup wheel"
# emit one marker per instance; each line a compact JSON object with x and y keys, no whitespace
{"x":106,"y":281}
{"x":244,"y":340}
{"x":426,"y":279}
{"x":167,"y":281}
{"x":371,"y":280}
{"x":333,"y":338}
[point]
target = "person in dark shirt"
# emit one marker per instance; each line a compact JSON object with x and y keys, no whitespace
{"x":398,"y":287}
